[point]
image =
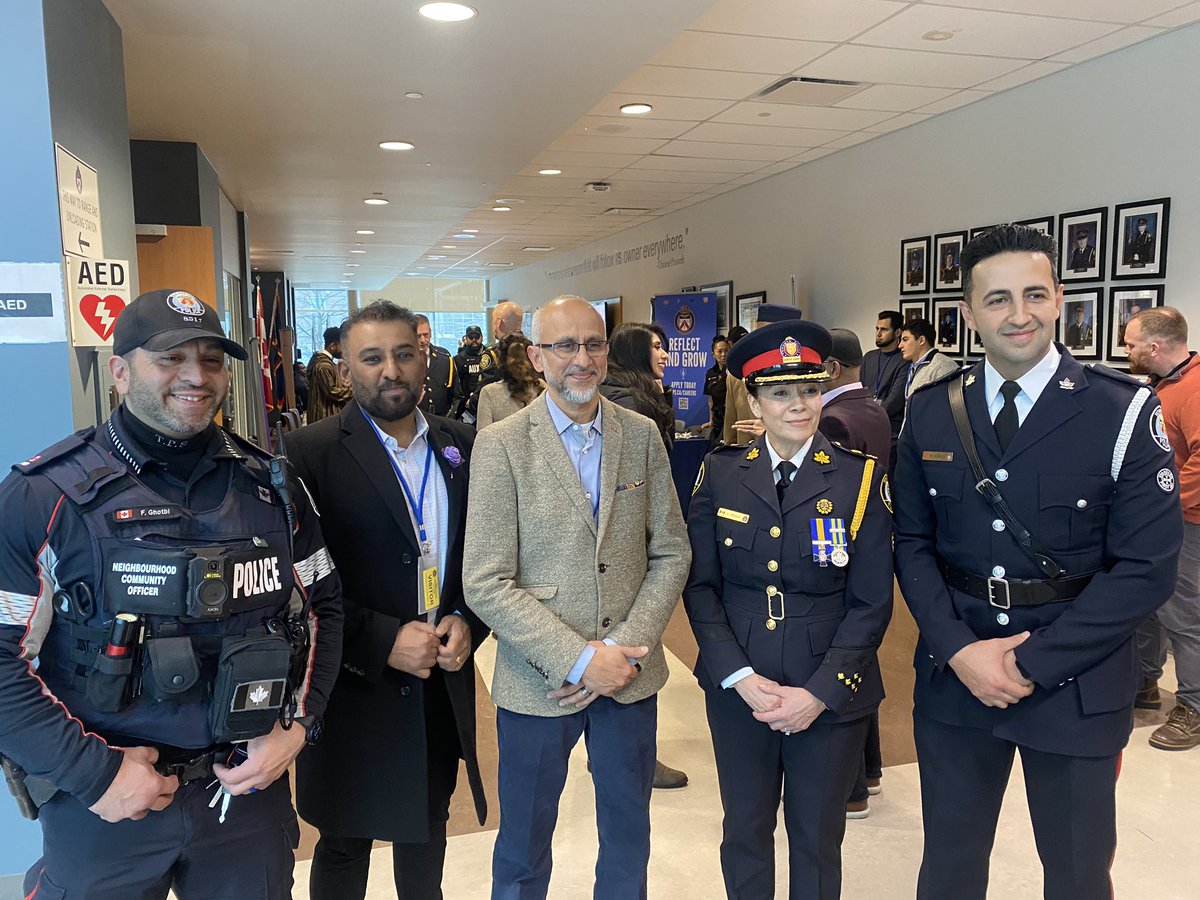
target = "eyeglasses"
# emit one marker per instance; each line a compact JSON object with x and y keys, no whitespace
{"x":568,"y":349}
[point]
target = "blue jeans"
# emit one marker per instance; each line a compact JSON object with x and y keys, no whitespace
{"x":1177,"y":620}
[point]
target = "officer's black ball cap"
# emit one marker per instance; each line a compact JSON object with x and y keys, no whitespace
{"x":160,"y":320}
{"x":780,"y":353}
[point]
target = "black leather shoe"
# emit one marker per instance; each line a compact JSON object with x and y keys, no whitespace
{"x":667,"y":778}
{"x":1148,"y":696}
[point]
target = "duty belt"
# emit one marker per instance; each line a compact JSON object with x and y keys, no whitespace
{"x":1005,"y":593}
{"x":186,"y":764}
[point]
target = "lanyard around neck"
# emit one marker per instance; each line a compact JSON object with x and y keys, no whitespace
{"x":416,"y":505}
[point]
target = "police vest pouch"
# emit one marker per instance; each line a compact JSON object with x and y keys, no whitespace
{"x":109,"y":681}
{"x":144,"y":580}
{"x":251,"y":685}
{"x":174,"y":673}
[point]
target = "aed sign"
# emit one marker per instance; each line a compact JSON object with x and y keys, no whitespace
{"x":78,"y":205}
{"x":98,"y":290}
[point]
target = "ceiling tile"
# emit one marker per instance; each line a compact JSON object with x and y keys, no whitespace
{"x":962,"y":98}
{"x":780,"y":114}
{"x":562,"y":159}
{"x":1123,"y":11}
{"x":885,"y":66}
{"x":1123,"y":38}
{"x":631,"y":127}
{"x":691,"y":109}
{"x":738,"y":53}
{"x":587,"y":173}
{"x":903,"y":120}
{"x":717,"y":150}
{"x":894,"y":97}
{"x":602,"y":143}
{"x":850,"y":140}
{"x":813,"y":20}
{"x":1183,"y":16}
{"x":762,"y":134}
{"x":690,"y":164}
{"x":705,"y":179}
{"x":982,"y":32}
{"x":810,"y":155}
{"x":1024,"y":75}
{"x":674,"y":81}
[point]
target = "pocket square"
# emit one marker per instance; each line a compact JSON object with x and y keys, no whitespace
{"x":631,"y":485}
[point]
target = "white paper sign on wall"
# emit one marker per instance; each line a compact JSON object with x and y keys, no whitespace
{"x":97,"y":291}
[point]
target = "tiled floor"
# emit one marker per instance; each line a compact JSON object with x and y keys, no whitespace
{"x":1159,"y":837}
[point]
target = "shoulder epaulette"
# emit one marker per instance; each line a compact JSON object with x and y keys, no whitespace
{"x":245,"y":446}
{"x":859,"y":453}
{"x":65,"y":447}
{"x":729,"y":448}
{"x":1113,"y":375}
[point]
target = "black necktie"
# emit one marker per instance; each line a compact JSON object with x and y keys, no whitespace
{"x":1007,"y":422}
{"x":786,"y":470}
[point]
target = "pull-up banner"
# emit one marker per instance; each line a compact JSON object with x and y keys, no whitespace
{"x":690,"y":321}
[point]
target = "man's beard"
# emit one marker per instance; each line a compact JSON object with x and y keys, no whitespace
{"x":383,"y":408}
{"x":882,"y":342}
{"x":152,"y":409}
{"x":573,"y":395}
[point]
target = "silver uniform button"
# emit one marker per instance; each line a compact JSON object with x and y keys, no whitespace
{"x":997,"y":524}
{"x":1002,"y":474}
{"x":933,"y":492}
{"x":1081,"y":503}
{"x":997,"y":571}
{"x":1002,"y":618}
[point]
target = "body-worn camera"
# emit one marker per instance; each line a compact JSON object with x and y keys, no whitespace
{"x":210,"y":584}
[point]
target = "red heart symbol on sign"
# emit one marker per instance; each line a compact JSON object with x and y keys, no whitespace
{"x":101,"y":313}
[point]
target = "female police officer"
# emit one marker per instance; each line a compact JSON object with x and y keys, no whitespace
{"x":789,"y":596}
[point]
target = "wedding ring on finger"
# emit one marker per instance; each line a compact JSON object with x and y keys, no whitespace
{"x":786,"y":731}
{"x":583,"y":692}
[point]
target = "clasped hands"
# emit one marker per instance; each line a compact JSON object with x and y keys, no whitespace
{"x":609,"y":670}
{"x":989,"y":670}
{"x":786,"y":709}
{"x":420,"y":646}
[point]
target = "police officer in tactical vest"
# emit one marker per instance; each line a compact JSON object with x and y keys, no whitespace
{"x":170,"y":628}
{"x":469,"y":364}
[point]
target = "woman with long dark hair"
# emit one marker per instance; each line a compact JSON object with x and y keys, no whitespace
{"x":636,"y":358}
{"x":519,"y":384}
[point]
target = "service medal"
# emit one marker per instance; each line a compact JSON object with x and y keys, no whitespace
{"x":840,"y":558}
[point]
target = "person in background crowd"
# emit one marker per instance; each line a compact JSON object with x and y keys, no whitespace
{"x":1157,"y":343}
{"x":851,"y":418}
{"x":300,"y":379}
{"x":736,"y":333}
{"x":714,"y":388}
{"x":440,"y":388}
{"x":577,"y":589}
{"x":883,"y":373}
{"x":1027,"y":645}
{"x":519,"y":384}
{"x":153,"y":723}
{"x":326,"y":393}
{"x":635,"y":369}
{"x":391,"y":484}
{"x":467,"y":367}
{"x":662,"y":351}
{"x":506,"y":319}
{"x":741,"y":425}
{"x":926,"y":363}
{"x":789,"y":596}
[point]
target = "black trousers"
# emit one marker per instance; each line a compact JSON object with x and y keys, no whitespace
{"x":814,"y":771}
{"x":185,"y":847}
{"x":1072,"y":803}
{"x":341,"y":863}
{"x":871,"y":765}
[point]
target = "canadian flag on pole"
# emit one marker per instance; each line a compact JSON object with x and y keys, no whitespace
{"x":264,"y":354}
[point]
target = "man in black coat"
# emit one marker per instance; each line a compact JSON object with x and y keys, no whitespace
{"x":391,"y":487}
{"x":1028,"y":646}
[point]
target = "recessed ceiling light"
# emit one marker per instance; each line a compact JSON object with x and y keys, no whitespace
{"x":376,"y":201}
{"x":636,"y":109}
{"x":412,"y":273}
{"x":471,"y":230}
{"x":537,"y":249}
{"x":351,"y":265}
{"x":395,"y":145}
{"x":358,"y":251}
{"x":434,"y":256}
{"x":449,"y":247}
{"x":348,"y":274}
{"x":447,"y":12}
{"x":937,"y":35}
{"x":414,"y":95}
{"x":464,"y":237}
{"x":364,"y":231}
{"x":550,"y":171}
{"x":501,"y":209}
{"x":505,"y":201}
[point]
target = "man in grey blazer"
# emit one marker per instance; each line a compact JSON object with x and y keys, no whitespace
{"x":576,"y":554}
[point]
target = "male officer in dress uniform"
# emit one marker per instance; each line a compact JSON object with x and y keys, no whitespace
{"x":1029,"y":579}
{"x":789,"y":596}
{"x":172,"y":584}
{"x":467,"y":364}
{"x":440,"y":374}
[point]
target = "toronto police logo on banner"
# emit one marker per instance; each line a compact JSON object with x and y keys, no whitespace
{"x":685,"y":320}
{"x":1158,"y":430}
{"x":184,"y":303}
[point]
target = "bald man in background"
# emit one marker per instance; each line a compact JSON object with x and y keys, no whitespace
{"x":506,"y":318}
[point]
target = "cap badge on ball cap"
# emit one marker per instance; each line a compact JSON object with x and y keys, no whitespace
{"x":184,"y":303}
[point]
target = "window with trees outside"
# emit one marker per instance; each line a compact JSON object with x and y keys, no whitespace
{"x":316,"y":310}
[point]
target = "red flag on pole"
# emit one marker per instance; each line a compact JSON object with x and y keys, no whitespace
{"x":275,"y":361}
{"x":264,"y":358}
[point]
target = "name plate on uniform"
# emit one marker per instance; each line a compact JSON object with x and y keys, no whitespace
{"x":736,"y":516}
{"x":938,"y":456}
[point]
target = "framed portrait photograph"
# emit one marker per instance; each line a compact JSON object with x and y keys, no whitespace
{"x":983,"y":229}
{"x":1081,"y":322}
{"x":1140,"y":239}
{"x":1081,"y":237}
{"x":724,"y":291}
{"x":947,"y":251}
{"x":914,"y":309}
{"x":1044,"y":224}
{"x":1124,"y":302}
{"x":975,"y":348}
{"x":747,"y":308}
{"x":948,"y":326}
{"x":914,"y":266}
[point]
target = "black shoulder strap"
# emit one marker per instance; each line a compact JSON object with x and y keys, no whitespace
{"x":1034,"y":548}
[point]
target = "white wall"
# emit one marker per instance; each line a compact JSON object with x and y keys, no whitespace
{"x":1120,"y":128}
{"x":432,"y":294}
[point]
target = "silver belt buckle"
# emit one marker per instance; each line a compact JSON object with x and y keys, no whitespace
{"x":993,"y":591}
{"x":771,"y":607}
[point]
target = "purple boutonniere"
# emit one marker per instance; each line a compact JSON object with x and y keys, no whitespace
{"x":453,"y":456}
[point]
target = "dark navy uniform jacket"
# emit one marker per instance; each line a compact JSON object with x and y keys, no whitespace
{"x":1057,"y":477}
{"x":439,"y":382}
{"x":743,"y":544}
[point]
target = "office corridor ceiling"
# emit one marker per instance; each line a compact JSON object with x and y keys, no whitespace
{"x":290,"y":101}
